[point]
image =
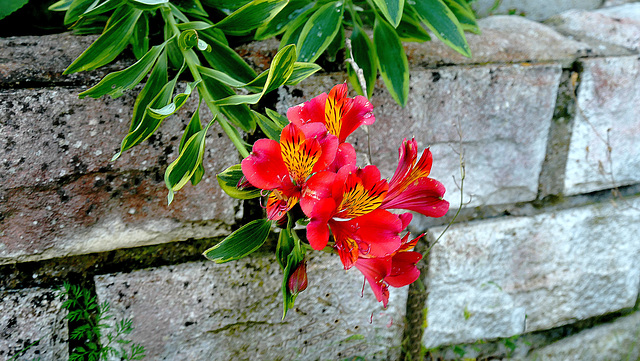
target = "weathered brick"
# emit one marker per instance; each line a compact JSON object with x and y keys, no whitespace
{"x":61,"y":195}
{"x":604,"y":151}
{"x":204,"y":311}
{"x":537,"y":10}
{"x":504,"y":39}
{"x":503,"y":277}
{"x":33,"y":319}
{"x":28,"y":59}
{"x":503,"y":113}
{"x":617,"y":340}
{"x":618,"y":25}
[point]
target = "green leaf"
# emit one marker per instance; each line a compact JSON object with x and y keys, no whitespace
{"x":76,"y":8}
{"x":193,"y":127}
{"x":268,"y":127}
{"x":286,"y":16}
{"x":145,"y":124}
{"x":363,"y":55}
{"x":336,"y":44}
{"x":302,"y":71}
{"x":392,"y":60}
{"x":410,"y":30}
{"x":140,"y":37}
{"x":180,"y":171}
{"x":117,"y":82}
{"x":464,"y":14}
{"x":279,"y":72}
{"x":194,"y":25}
{"x":293,"y":260}
{"x":226,"y":6}
{"x":62,"y":5}
{"x":391,"y":9}
{"x":193,"y":7}
{"x":223,"y":58}
{"x":157,"y":79}
{"x":100,"y":8}
{"x":229,"y":180}
{"x":285,"y":246}
{"x":9,"y":6}
{"x":443,"y":23}
{"x":239,"y":115}
{"x":251,"y":16}
{"x":178,"y":102}
{"x":188,"y":39}
{"x":319,"y":31}
{"x":240,"y":243}
{"x":280,"y":120}
{"x":294,"y":28}
{"x":109,"y":45}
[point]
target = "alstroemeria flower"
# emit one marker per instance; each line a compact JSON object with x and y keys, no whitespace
{"x":397,"y":270}
{"x":340,"y":114}
{"x":411,"y":188}
{"x":284,"y":168}
{"x":352,"y":214}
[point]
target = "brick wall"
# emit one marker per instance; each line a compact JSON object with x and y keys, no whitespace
{"x":542,"y":263}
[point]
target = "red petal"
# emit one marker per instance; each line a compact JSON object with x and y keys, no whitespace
{"x":264,"y":168}
{"x":360,"y":112}
{"x":316,"y":188}
{"x":423,"y":196}
{"x":403,"y":269}
{"x":309,"y":112}
{"x":318,"y":228}
{"x":375,"y":270}
{"x":377,"y":233}
{"x":328,"y":142}
{"x":346,"y":155}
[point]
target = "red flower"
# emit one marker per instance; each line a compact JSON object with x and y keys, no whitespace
{"x":285,"y":167}
{"x":397,"y":270}
{"x":298,"y":280}
{"x":351,"y":213}
{"x":340,"y":114}
{"x":411,"y":188}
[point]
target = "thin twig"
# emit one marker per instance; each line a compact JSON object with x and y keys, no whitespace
{"x":363,"y":86}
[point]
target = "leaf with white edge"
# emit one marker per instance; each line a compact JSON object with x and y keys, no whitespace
{"x":239,"y":115}
{"x":230,"y":178}
{"x":117,"y":82}
{"x":100,"y":8}
{"x":62,"y":5}
{"x":75,"y":10}
{"x":193,"y":7}
{"x":180,"y":171}
{"x":225,"y":59}
{"x":268,"y":127}
{"x":140,"y":37}
{"x":109,"y":45}
{"x":148,"y":4}
{"x":410,"y":30}
{"x":286,"y":16}
{"x":443,"y":23}
{"x":464,"y":15}
{"x":147,"y":124}
{"x":280,"y":120}
{"x":319,"y":31}
{"x":279,"y":72}
{"x":391,"y":9}
{"x":194,"y":126}
{"x":178,"y":101}
{"x":294,"y":28}
{"x":363,"y":55}
{"x":188,"y":39}
{"x":336,"y":44}
{"x":240,"y":243}
{"x":392,"y":60}
{"x":194,"y":25}
{"x":251,"y":16}
{"x":302,"y":71}
{"x":157,"y":79}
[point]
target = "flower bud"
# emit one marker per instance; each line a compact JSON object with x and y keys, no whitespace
{"x":298,"y":279}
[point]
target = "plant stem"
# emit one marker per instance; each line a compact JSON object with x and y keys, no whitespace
{"x":192,"y":61}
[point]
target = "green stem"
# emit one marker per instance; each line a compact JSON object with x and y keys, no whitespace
{"x":192,"y":61}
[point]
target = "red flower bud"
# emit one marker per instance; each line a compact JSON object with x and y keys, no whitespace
{"x":298,"y":279}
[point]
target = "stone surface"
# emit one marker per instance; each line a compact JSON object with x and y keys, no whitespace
{"x":618,"y":340}
{"x":618,"y":25}
{"x":503,"y":113}
{"x":204,"y":311}
{"x":504,"y":39}
{"x":536,"y":10}
{"x":61,"y":195}
{"x":33,"y":315}
{"x":604,"y":151}
{"x":28,"y":59}
{"x":503,"y":277}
